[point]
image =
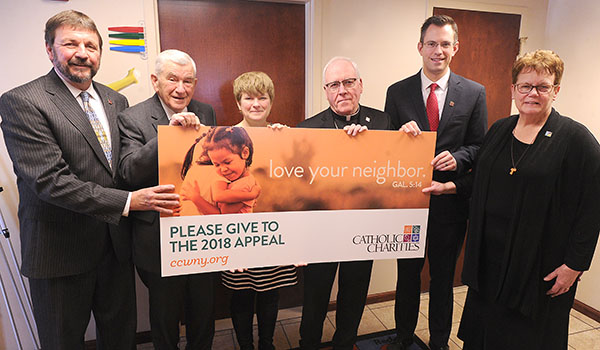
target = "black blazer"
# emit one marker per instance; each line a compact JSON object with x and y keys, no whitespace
{"x":138,"y":168}
{"x":462,"y":127}
{"x":370,"y":117}
{"x":69,"y":204}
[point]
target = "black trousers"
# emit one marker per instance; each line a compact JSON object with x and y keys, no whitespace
{"x":353,"y":287}
{"x":444,"y":241}
{"x":169,"y":297}
{"x":242,"y":314}
{"x":62,"y":307}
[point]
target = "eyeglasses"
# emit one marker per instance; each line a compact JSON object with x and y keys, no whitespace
{"x":433,"y":44}
{"x":541,"y":89}
{"x":334,"y":86}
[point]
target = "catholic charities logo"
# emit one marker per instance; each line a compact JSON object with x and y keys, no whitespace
{"x":412,"y":233}
{"x":408,"y":240}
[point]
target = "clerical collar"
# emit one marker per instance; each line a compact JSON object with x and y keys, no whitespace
{"x":346,"y":118}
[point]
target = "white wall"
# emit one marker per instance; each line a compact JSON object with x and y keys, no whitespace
{"x":381,"y":36}
{"x":23,"y":59}
{"x":571,"y":32}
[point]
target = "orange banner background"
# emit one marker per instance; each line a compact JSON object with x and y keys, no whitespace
{"x":316,"y":169}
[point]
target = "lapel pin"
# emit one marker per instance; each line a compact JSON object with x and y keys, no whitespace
{"x":368,"y":119}
{"x":548,"y":134}
{"x":110,"y":101}
{"x":451,"y":103}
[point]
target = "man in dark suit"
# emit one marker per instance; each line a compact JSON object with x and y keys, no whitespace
{"x":61,"y":134}
{"x":343,"y":87}
{"x":436,"y":99}
{"x":174,"y":81}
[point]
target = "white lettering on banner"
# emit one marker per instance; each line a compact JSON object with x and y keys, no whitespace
{"x":380,"y":173}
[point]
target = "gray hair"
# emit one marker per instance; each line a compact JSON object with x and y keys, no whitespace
{"x":175,"y":56}
{"x":341,"y":58}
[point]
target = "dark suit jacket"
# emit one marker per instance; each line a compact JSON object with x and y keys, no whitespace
{"x":68,"y":201}
{"x":370,"y":117}
{"x":138,"y":167}
{"x":462,"y":127}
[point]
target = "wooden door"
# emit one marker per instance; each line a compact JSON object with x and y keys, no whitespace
{"x":230,"y":37}
{"x":489,"y":45}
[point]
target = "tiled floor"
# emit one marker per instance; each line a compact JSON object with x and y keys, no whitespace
{"x":584,"y":333}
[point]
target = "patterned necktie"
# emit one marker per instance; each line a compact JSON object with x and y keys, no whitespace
{"x":433,"y":112}
{"x":97,"y":126}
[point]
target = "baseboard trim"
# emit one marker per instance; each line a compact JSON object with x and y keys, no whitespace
{"x":371,"y":299}
{"x":587,"y":310}
{"x":146,"y":337}
{"x":387,"y":296}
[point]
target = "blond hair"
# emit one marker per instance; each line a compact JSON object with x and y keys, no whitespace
{"x":253,"y":84}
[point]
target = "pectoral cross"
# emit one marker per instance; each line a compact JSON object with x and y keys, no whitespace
{"x":512,"y":170}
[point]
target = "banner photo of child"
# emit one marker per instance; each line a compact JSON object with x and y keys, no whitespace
{"x":294,"y":169}
{"x":229,"y":151}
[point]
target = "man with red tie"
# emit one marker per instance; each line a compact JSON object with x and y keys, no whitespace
{"x":435,"y":99}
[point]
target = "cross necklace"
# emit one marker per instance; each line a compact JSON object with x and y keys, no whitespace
{"x":512,"y":157}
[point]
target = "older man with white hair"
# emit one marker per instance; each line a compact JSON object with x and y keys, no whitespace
{"x":174,"y":81}
{"x":343,"y":87}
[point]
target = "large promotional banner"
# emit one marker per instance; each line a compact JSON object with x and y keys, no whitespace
{"x":261,"y":197}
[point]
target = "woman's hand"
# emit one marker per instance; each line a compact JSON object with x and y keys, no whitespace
{"x":277,"y":126}
{"x":238,"y":270}
{"x":438,"y":188}
{"x":190,"y":191}
{"x":565,"y":277}
{"x":444,"y":161}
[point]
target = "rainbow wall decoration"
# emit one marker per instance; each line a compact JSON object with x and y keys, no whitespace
{"x":127,"y":39}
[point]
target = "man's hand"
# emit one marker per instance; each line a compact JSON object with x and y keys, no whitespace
{"x":444,"y":162}
{"x":438,"y":188}
{"x":565,"y":277}
{"x":158,"y":198}
{"x":354,"y":129}
{"x":411,"y":128}
{"x":185,"y":119}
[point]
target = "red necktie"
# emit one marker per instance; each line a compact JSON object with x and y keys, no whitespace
{"x":433,"y":113}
